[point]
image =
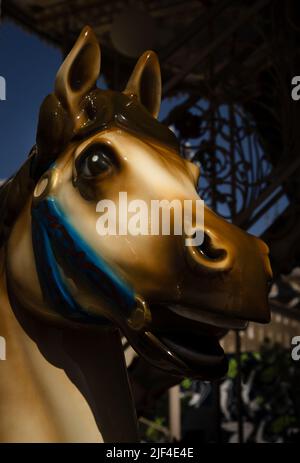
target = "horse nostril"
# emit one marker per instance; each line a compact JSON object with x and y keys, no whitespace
{"x":209,"y":255}
{"x":209,"y":251}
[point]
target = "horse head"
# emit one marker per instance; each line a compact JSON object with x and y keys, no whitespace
{"x":172,"y":302}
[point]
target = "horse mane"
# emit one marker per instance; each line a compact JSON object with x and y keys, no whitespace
{"x":14,"y":193}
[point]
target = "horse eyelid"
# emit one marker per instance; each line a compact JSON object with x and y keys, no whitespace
{"x":109,"y":152}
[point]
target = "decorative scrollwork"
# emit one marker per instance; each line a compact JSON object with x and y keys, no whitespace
{"x":224,"y":142}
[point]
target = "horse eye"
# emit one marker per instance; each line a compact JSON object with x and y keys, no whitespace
{"x":96,"y":160}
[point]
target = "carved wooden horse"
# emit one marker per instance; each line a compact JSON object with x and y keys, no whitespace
{"x":68,"y":294}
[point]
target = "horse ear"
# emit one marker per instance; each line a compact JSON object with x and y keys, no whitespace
{"x":60,"y":114}
{"x":79,"y":72}
{"x":145,"y":82}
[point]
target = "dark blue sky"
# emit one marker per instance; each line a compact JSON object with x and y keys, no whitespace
{"x":28,"y":66}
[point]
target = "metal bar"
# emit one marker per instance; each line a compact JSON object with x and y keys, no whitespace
{"x":239,"y":388}
{"x":281,"y":309}
{"x":175,"y":413}
{"x":106,"y":18}
{"x":212,"y":122}
{"x":281,"y":174}
{"x":218,"y":412}
{"x":232,"y":160}
{"x":15,"y":13}
{"x":264,"y":209}
{"x":76,"y":9}
{"x":194,"y":28}
{"x":174,"y":81}
{"x":219,"y":76}
{"x":188,"y":103}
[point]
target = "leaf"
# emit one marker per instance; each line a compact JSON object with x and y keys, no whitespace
{"x":232,"y":369}
{"x":186,"y":383}
{"x":281,"y":423}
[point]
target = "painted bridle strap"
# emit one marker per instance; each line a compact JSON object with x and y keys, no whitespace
{"x":57,"y":245}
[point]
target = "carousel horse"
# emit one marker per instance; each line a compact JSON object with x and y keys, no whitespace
{"x":68,"y":295}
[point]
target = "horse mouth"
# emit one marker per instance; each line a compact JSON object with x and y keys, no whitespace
{"x":197,"y":352}
{"x":185,"y":341}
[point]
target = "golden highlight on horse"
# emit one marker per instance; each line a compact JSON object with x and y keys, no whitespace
{"x":68,"y":295}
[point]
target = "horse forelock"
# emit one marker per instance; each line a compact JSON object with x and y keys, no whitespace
{"x":99,"y":110}
{"x":107,"y":108}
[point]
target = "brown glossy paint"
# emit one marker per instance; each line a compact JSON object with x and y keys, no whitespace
{"x":185,"y":296}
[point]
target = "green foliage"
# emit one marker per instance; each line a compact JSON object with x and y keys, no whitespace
{"x":259,"y":400}
{"x":152,"y":433}
{"x":269,"y":374}
{"x":244,"y":357}
{"x":186,"y":383}
{"x":232,"y":368}
{"x":272,"y":403}
{"x":282,"y":423}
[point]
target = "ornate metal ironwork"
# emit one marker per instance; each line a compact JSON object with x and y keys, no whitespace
{"x":233,"y":164}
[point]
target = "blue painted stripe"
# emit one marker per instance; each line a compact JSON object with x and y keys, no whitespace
{"x":54,"y":236}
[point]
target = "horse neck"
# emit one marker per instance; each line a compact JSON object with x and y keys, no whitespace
{"x":38,"y":402}
{"x":9,"y":328}
{"x":90,"y":358}
{"x":19,"y":380}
